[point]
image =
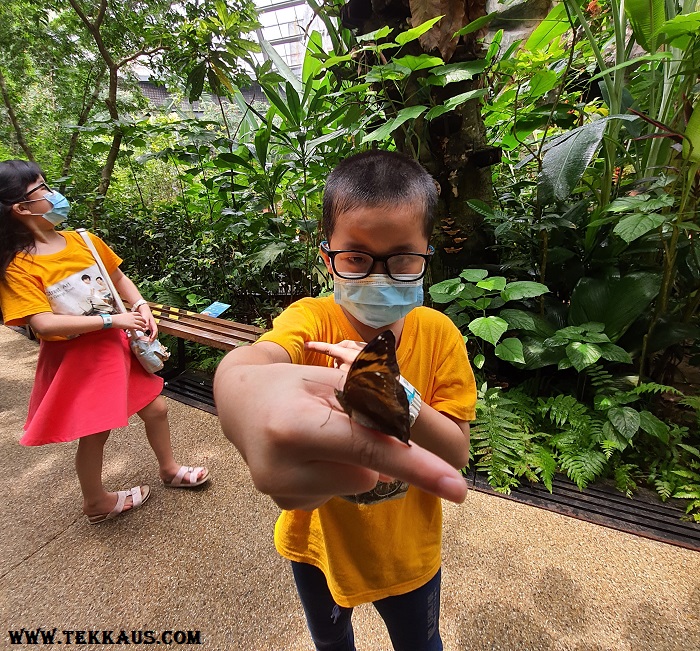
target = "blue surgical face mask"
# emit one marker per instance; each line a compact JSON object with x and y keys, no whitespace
{"x":377,"y":300}
{"x":60,"y":207}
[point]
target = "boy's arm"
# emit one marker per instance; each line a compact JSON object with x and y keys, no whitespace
{"x":445,"y":436}
{"x":299,"y":449}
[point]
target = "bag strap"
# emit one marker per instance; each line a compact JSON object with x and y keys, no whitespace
{"x":118,"y":303}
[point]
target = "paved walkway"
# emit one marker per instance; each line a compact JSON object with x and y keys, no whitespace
{"x":515,"y":577}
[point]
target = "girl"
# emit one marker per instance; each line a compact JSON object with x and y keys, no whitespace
{"x":82,"y":358}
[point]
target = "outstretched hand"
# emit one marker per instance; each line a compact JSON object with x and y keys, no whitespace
{"x":302,"y":450}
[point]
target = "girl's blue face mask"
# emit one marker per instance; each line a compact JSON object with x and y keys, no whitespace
{"x":377,"y":300}
{"x":60,"y":207}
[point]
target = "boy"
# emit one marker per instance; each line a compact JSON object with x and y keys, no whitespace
{"x":302,"y":448}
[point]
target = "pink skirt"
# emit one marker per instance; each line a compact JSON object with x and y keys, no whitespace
{"x":86,"y":385}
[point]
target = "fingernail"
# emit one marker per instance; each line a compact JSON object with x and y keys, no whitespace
{"x":453,"y":489}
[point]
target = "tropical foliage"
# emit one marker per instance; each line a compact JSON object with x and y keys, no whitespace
{"x":568,"y":160}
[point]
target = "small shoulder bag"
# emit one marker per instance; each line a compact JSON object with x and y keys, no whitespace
{"x":151,"y":354}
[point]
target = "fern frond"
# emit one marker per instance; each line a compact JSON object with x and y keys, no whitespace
{"x":543,"y":462}
{"x":654,"y":388}
{"x":582,"y":466}
{"x":664,"y":488}
{"x":624,"y":480}
{"x":562,"y":409}
{"x":500,"y":439}
{"x":600,"y":378}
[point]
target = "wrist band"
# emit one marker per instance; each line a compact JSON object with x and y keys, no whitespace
{"x":106,"y":321}
{"x":414,"y":399}
{"x":138,"y":304}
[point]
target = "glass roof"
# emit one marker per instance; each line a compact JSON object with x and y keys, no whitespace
{"x":286,"y":24}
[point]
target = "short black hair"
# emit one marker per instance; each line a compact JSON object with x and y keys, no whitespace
{"x":377,"y":178}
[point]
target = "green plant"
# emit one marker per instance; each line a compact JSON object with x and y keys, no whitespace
{"x":612,"y":434}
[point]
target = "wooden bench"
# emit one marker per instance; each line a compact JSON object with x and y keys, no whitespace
{"x":211,"y":331}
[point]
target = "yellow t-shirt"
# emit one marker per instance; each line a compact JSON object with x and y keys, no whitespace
{"x":369,"y":552}
{"x":66,"y":282}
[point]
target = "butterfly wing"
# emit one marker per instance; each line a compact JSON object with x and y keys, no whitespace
{"x":372,"y":395}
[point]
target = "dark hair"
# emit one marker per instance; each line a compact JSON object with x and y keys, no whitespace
{"x":15,"y":176}
{"x":377,"y":178}
{"x":84,"y":276}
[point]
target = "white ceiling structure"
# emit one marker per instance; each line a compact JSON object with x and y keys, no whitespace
{"x":286,"y":25}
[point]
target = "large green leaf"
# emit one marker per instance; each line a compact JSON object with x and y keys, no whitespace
{"x":564,"y":165}
{"x":281,"y":65}
{"x":520,"y":289}
{"x":454,"y":102}
{"x":474,"y":275}
{"x":476,"y":25}
{"x":614,"y":353}
{"x":408,"y":113}
{"x":541,"y":83}
{"x":268,"y":254}
{"x":567,"y":158}
{"x":455,"y":72}
{"x":510,"y":350}
{"x":489,"y":328}
{"x":646,"y":17}
{"x":634,"y":226}
{"x":681,"y":28}
{"x":418,"y":62}
{"x":446,"y":291}
{"x":625,"y":420}
{"x":691,"y":142}
{"x":582,"y":355}
{"x":527,"y":321}
{"x":552,"y":27}
{"x":416,"y":32}
{"x":616,"y":302}
{"x":652,"y":425}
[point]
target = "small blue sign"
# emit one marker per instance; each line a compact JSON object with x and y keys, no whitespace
{"x":215,"y":309}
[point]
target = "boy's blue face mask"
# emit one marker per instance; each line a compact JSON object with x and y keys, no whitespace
{"x":377,"y":300}
{"x":60,"y":207}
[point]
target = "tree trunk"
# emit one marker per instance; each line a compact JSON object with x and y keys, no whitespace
{"x":111,"y":103}
{"x":82,"y":119}
{"x":13,"y":119}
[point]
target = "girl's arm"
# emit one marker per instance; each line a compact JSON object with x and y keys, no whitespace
{"x":48,"y":324}
{"x":130,"y":293}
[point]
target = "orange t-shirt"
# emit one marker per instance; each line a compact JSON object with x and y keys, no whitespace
{"x":372,"y":551}
{"x":66,"y":282}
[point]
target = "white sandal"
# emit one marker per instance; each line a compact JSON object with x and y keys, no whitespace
{"x":138,"y":494}
{"x":177,"y":480}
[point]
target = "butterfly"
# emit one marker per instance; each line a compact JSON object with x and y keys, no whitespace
{"x":372,"y":395}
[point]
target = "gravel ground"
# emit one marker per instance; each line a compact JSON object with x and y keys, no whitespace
{"x":515,"y":577}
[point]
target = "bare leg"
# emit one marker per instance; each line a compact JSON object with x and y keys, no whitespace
{"x":88,"y":465}
{"x":155,"y":419}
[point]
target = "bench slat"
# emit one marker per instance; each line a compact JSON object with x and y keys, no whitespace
{"x":202,"y":328}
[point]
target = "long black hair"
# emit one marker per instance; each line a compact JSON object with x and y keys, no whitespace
{"x":15,"y":176}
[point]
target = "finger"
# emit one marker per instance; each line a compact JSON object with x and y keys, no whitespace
{"x":342,"y":353}
{"x":390,"y":457}
{"x":151,"y":325}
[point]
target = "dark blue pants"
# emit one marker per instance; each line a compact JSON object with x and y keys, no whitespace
{"x":412,"y":619}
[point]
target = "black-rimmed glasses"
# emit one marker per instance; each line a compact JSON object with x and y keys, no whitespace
{"x":38,"y":187}
{"x":355,"y":265}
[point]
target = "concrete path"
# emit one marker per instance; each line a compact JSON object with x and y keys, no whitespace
{"x":516,"y":578}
